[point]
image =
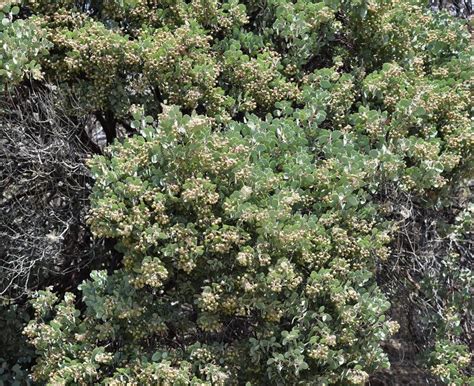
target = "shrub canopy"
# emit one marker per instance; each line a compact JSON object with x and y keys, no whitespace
{"x":251,"y":209}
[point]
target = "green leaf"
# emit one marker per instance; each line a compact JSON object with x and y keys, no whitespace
{"x":353,"y":201}
{"x":363,"y":11}
{"x":325,"y":84}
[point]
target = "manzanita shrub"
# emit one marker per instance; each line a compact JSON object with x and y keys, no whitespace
{"x":239,"y":264}
{"x":248,"y":205}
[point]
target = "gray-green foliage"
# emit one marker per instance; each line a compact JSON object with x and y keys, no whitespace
{"x":249,"y":208}
{"x":24,"y":44}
